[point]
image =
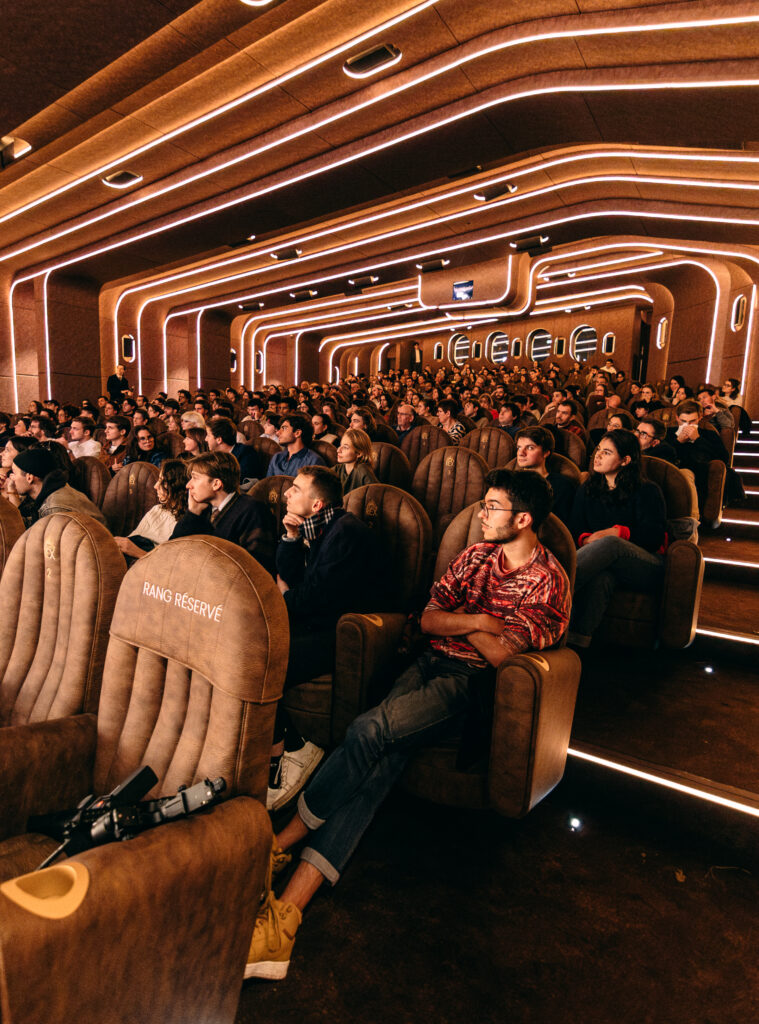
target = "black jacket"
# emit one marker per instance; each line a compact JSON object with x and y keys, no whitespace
{"x":644,"y":514}
{"x":244,"y":521}
{"x":341,"y":571}
{"x":563,"y":488}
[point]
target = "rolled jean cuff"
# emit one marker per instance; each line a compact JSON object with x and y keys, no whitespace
{"x":309,"y":820}
{"x":321,"y":864}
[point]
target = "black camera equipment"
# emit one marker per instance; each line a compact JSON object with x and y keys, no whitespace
{"x":120,"y":815}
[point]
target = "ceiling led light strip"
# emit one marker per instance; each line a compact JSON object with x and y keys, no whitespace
{"x":260,"y":90}
{"x":574,"y":32}
{"x":568,"y":306}
{"x":395,"y":140}
{"x":394,"y":233}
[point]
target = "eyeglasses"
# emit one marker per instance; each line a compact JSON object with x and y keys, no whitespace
{"x":644,"y":433}
{"x":487,"y":509}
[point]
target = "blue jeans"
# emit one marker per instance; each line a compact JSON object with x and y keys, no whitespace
{"x":428,"y":702}
{"x":601,"y":567}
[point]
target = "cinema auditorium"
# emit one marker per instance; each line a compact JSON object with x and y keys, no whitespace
{"x":379,"y":511}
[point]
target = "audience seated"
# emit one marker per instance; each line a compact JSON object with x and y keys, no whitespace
{"x":446,"y":414}
{"x":221,"y":436}
{"x":651,"y":434}
{"x":160,"y":521}
{"x":80,"y":440}
{"x":499,"y":597}
{"x":696,"y":447}
{"x":534,"y":449}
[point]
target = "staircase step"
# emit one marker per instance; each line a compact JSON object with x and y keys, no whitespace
{"x":730,"y":606}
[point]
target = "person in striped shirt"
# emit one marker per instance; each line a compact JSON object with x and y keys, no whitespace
{"x":499,"y":597}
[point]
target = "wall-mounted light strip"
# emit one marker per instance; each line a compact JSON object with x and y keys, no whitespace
{"x":723,"y":634}
{"x":660,"y":780}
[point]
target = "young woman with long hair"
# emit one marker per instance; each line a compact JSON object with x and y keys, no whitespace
{"x":354,"y":460}
{"x":619,"y":524}
{"x":157,"y":525}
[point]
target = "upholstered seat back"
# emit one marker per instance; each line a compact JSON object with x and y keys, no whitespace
{"x":327,"y":451}
{"x":251,"y":429}
{"x":421,"y":441}
{"x":199,"y":638}
{"x":173,"y":443}
{"x":466,"y":529}
{"x":406,"y":534}
{"x":674,"y":486}
{"x":129,"y":496}
{"x":89,"y":475}
{"x":448,"y":480}
{"x":266,"y":447}
{"x":11,"y":528}
{"x":573,"y":448}
{"x":557,"y":464}
{"x":390,"y":465}
{"x":493,"y":444}
{"x":271,"y":490}
{"x":57,"y":593}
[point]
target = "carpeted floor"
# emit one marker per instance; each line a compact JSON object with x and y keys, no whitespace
{"x":645,"y":913}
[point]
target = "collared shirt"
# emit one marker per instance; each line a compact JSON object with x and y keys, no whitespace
{"x":283,"y":464}
{"x":533,"y":601}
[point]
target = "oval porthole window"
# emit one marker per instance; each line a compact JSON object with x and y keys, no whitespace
{"x":738,"y":318}
{"x":458,"y":349}
{"x":437,"y":352}
{"x":516,"y":348}
{"x":477,"y":350}
{"x":128,"y":348}
{"x":233,"y":360}
{"x":259,"y":361}
{"x":561,"y":346}
{"x":539,"y":344}
{"x":608,"y":343}
{"x":497,"y":347}
{"x":583,"y":342}
{"x":662,"y":333}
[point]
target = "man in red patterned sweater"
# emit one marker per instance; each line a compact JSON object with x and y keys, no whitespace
{"x":497,"y":598}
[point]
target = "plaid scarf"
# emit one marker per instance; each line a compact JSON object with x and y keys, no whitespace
{"x":315,"y":525}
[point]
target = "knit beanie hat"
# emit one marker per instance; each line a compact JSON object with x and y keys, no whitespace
{"x":36,"y":461}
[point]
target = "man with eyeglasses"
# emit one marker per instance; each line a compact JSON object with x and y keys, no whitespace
{"x":499,"y":597}
{"x":651,"y":434}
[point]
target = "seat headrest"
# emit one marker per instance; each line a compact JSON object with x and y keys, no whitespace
{"x":674,"y":486}
{"x":11,"y":528}
{"x":207,"y":604}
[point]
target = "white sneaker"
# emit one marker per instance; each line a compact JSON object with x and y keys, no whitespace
{"x":296,"y":768}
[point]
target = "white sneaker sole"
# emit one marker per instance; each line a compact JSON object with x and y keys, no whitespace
{"x":290,"y":794}
{"x":268,"y":970}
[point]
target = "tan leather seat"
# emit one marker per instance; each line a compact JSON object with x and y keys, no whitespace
{"x":11,"y":528}
{"x":251,"y":429}
{"x":390,"y":465}
{"x":494,"y":445}
{"x":446,"y":481}
{"x":535,"y":696}
{"x":88,"y":475}
{"x":266,"y":449}
{"x":195,"y":666}
{"x":173,"y":443}
{"x":573,"y":447}
{"x":420,"y":441}
{"x":669,"y":617}
{"x":327,"y":451}
{"x":323,"y":708}
{"x":271,"y":490}
{"x":383,"y":432}
{"x":130,"y":494}
{"x":57,"y":592}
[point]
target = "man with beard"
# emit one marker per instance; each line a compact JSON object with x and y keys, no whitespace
{"x":497,"y":598}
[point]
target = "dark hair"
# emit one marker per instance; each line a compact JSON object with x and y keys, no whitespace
{"x":735,"y":386}
{"x":679,"y":378}
{"x":287,"y":400}
{"x":687,"y":405}
{"x":23,"y":443}
{"x":172,"y":474}
{"x":571,"y":403}
{"x":121,"y":422}
{"x":301,"y":423}
{"x":448,"y":405}
{"x":270,"y":417}
{"x":5,"y":420}
{"x":516,"y":411}
{"x":325,"y":483}
{"x":203,"y":402}
{"x":628,"y":478}
{"x":660,"y":431}
{"x":706,"y":388}
{"x":528,"y":492}
{"x":47,"y":426}
{"x":223,"y":430}
{"x":221,"y":466}
{"x":540,"y":436}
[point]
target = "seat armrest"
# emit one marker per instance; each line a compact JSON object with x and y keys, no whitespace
{"x":366,"y":647}
{"x":44,"y":766}
{"x":534,"y":704}
{"x":681,"y":594}
{"x":181,"y":900}
{"x":712,"y":514}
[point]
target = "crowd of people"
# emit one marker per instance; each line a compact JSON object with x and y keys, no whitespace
{"x":498,"y":597}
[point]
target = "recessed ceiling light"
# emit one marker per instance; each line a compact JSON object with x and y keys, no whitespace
{"x":427,"y":265}
{"x":286,"y":254}
{"x":363,"y":282}
{"x":531,"y":244}
{"x":487,"y":195}
{"x":369,"y":62}
{"x":121,"y":179}
{"x":305,"y":293}
{"x":12,"y":149}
